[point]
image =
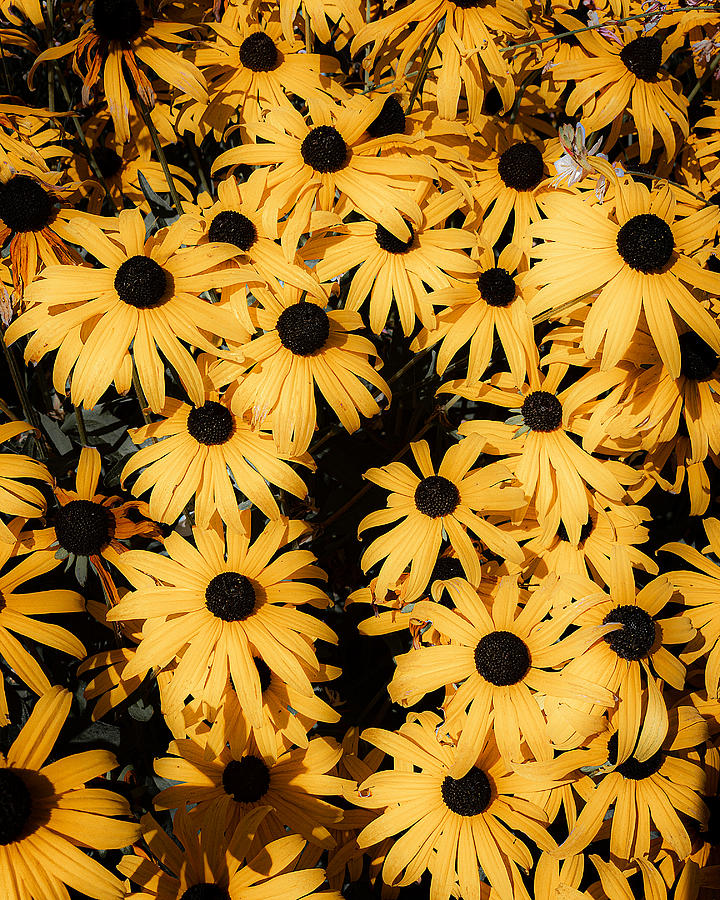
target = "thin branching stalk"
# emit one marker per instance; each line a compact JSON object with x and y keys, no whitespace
{"x":422,"y":73}
{"x":155,"y":138}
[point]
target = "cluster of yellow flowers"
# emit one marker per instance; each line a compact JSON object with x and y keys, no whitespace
{"x":235,"y":214}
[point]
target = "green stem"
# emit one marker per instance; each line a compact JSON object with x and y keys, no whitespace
{"x":81,"y":135}
{"x":140,"y":394}
{"x":199,"y":166}
{"x":155,"y":138}
{"x":564,"y":34}
{"x":422,"y":73}
{"x":29,"y":411}
{"x":703,"y":78}
{"x":82,"y":431}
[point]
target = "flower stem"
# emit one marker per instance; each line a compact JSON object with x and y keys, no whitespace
{"x":140,"y":394}
{"x":422,"y":72}
{"x":155,"y":138}
{"x":564,"y":34}
{"x":703,"y":78}
{"x":29,"y":411}
{"x":82,"y":430}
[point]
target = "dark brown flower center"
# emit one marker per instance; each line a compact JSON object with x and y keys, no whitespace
{"x":469,"y":795}
{"x":698,"y":360}
{"x":324,"y":149}
{"x":246,"y":780}
{"x":387,"y":240}
{"x":390,"y":120}
{"x":83,"y":527}
{"x":497,"y":287}
{"x":633,"y":768}
{"x":258,"y":52}
{"x":542,"y":411}
{"x":521,"y":166}
{"x":646,"y":243}
{"x":231,"y":227}
{"x":303,"y":328}
{"x":230,"y":596}
{"x":25,"y":205}
{"x":141,"y":282}
{"x":15,"y":806}
{"x":636,"y":637}
{"x":211,"y":424}
{"x":643,"y":57}
{"x":117,"y":20}
{"x":436,"y":496}
{"x":502,"y":658}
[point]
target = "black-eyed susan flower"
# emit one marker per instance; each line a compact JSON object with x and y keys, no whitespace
{"x":470,"y":47}
{"x":390,"y":270}
{"x":647,"y":794}
{"x":211,"y":865}
{"x":120,"y":38}
{"x":636,"y":257}
{"x":428,"y":506}
{"x":213,"y":608}
{"x":633,"y":655}
{"x":512,"y":176}
{"x":504,"y":655}
{"x":17,"y":498}
{"x":311,"y":161}
{"x":91,"y":524}
{"x":624,"y":76}
{"x":305,"y":346}
{"x":205,"y":452}
{"x":34,"y":222}
{"x":226,"y":786}
{"x":474,"y":312}
{"x":49,"y":814}
{"x":251,"y":68}
{"x":468,"y":821}
{"x":536,"y":445}
{"x":238,"y":218}
{"x":142,"y":301}
{"x":698,"y":588}
{"x":19,"y":608}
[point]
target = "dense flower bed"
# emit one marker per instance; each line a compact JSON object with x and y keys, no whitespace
{"x":361,"y":429}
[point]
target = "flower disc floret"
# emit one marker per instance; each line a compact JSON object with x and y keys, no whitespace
{"x":447,"y":567}
{"x":502,"y":658}
{"x":25,"y":205}
{"x":643,"y":57}
{"x":324,"y":149}
{"x":205,"y":891}
{"x":15,"y":806}
{"x":391,"y":119}
{"x":698,"y":360}
{"x":633,"y":768}
{"x":211,"y":424}
{"x":303,"y":328}
{"x":231,"y":227}
{"x":258,"y":52}
{"x":646,"y":242}
{"x":141,"y":282}
{"x":391,"y":244}
{"x":436,"y":496}
{"x":83,"y":527}
{"x":542,"y":411}
{"x":521,"y":166}
{"x":634,"y":640}
{"x":117,"y":20}
{"x":469,"y":795}
{"x":246,"y":780}
{"x":497,"y":287}
{"x":230,"y":596}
